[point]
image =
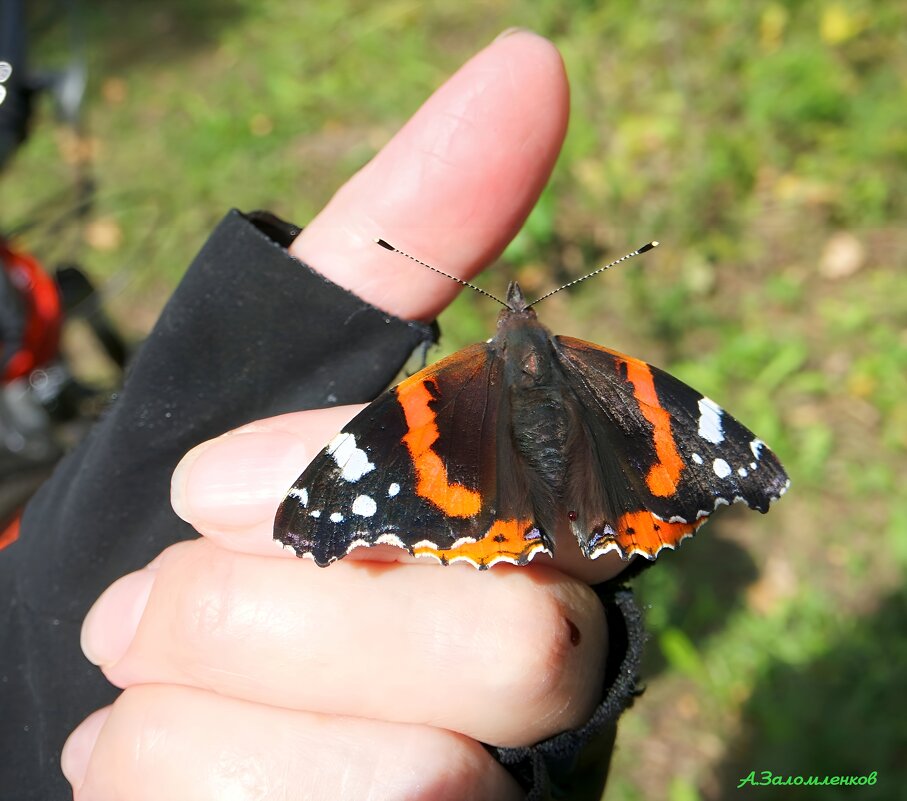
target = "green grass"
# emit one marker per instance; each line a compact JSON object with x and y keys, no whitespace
{"x":749,"y":138}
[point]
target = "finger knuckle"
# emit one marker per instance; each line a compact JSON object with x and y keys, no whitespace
{"x":561,"y":626}
{"x":451,"y":767}
{"x":140,"y":731}
{"x":204,"y":590}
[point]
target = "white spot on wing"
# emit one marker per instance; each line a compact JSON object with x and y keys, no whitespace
{"x":697,"y":458}
{"x":384,"y":539}
{"x":316,"y":513}
{"x":742,"y":472}
{"x":301,"y":495}
{"x":364,"y":506}
{"x":756,"y":447}
{"x":393,"y":489}
{"x":710,"y":421}
{"x":336,"y":517}
{"x":390,"y":539}
{"x":352,"y":460}
{"x":722,"y":468}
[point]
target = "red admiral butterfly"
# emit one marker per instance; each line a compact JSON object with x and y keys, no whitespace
{"x":484,"y":455}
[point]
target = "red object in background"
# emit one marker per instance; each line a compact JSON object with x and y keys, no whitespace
{"x":43,"y":310}
{"x":11,"y":533}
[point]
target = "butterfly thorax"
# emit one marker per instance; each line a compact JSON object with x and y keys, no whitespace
{"x":533,"y":395}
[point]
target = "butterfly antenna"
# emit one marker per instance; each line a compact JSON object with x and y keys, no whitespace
{"x":388,"y":246}
{"x":648,"y":246}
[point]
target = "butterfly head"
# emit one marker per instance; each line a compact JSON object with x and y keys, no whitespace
{"x":516,"y":302}
{"x":516,"y":310}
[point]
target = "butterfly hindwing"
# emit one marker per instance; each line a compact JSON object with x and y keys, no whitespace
{"x":417,"y":468}
{"x":665,"y":455}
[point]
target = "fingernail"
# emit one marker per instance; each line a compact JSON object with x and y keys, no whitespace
{"x":112,"y":622}
{"x":79,"y":745}
{"x":237,"y":480}
{"x":510,"y":31}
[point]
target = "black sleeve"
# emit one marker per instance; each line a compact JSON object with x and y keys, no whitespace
{"x":15,"y":94}
{"x":250,"y":332}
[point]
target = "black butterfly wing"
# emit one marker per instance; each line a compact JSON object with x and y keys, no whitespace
{"x":660,"y":456}
{"x":419,"y":468}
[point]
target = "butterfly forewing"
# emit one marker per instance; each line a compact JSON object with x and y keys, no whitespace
{"x":417,"y":468}
{"x":667,"y":455}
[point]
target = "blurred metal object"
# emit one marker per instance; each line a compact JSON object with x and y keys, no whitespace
{"x":25,"y":428}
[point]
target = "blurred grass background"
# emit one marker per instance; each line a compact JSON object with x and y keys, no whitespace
{"x":765,"y":145}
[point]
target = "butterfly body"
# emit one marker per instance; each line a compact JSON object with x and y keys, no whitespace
{"x":485,"y":455}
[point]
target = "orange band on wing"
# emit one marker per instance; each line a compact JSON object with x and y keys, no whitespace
{"x":505,"y":541}
{"x":432,"y":483}
{"x":641,"y":531}
{"x":665,"y":473}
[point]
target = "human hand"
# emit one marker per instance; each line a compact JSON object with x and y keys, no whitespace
{"x":251,"y":674}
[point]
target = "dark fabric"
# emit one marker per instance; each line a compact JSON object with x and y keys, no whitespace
{"x":249,"y":333}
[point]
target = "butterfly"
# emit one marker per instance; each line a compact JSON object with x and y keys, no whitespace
{"x":483,"y":456}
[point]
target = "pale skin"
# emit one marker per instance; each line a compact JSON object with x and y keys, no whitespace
{"x":249,"y":673}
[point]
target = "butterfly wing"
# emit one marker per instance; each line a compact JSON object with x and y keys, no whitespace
{"x":660,"y":455}
{"x":419,"y":468}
